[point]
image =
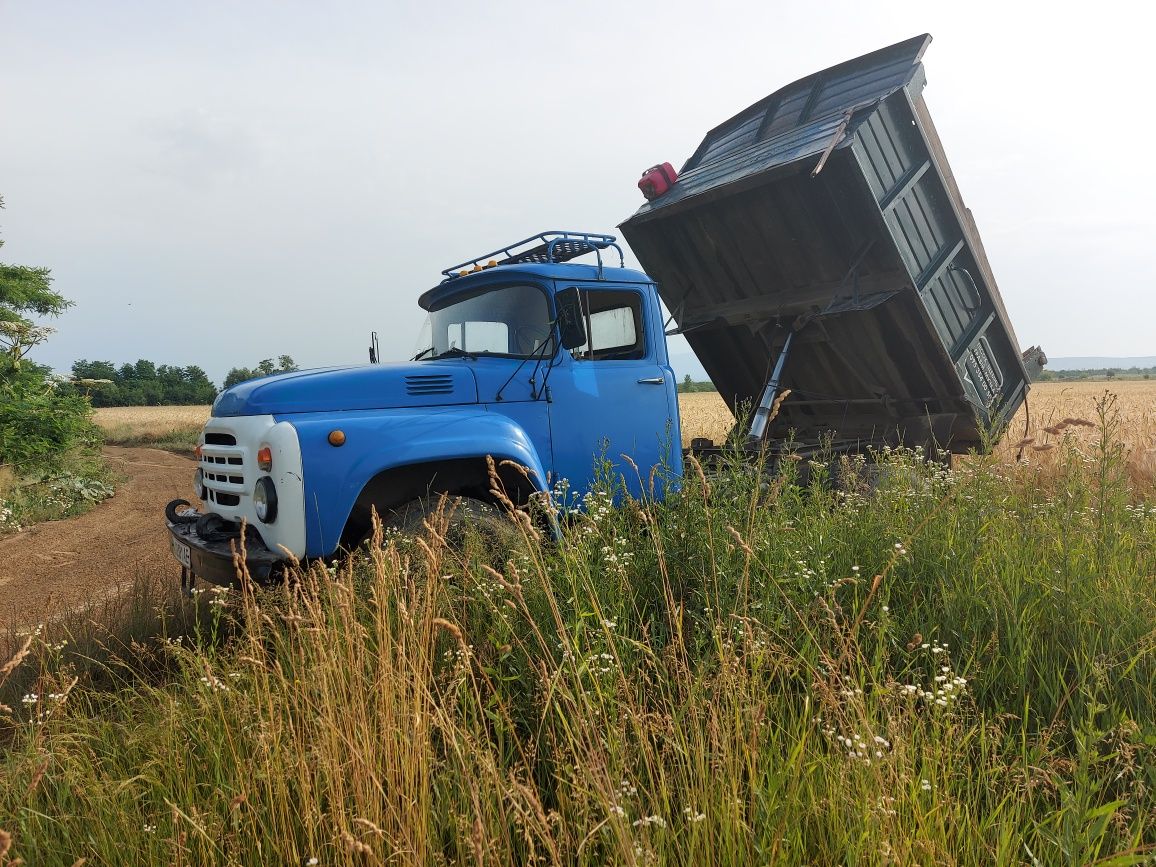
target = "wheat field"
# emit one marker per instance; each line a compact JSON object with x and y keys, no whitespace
{"x":704,"y":414}
{"x":149,"y":421}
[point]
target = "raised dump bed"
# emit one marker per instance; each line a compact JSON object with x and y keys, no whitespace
{"x":820,"y":233}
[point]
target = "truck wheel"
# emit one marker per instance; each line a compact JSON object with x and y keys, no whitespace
{"x":462,"y":521}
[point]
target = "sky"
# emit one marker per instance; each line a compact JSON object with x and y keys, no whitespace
{"x":214,"y":183}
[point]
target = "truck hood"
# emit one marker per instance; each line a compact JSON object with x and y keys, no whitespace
{"x":336,"y":389}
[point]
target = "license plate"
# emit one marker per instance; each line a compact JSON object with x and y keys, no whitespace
{"x":181,"y":552}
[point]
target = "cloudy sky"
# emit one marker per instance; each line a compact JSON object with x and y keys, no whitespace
{"x":216,"y":183}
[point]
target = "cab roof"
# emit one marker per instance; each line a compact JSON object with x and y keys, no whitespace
{"x":501,"y":273}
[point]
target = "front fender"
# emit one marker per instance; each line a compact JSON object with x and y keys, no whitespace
{"x":383,"y":440}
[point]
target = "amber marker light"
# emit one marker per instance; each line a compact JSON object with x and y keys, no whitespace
{"x":337,"y":437}
{"x":265,"y":458}
{"x":198,"y":451}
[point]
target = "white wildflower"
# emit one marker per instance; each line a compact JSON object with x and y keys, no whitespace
{"x":650,"y":820}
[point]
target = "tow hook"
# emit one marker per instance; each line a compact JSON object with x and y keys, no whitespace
{"x":182,"y":512}
{"x":188,"y":579}
{"x":176,"y":515}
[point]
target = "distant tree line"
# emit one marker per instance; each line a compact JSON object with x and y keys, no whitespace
{"x":1098,"y":373}
{"x":689,"y":385}
{"x":142,"y":384}
{"x":148,"y":384}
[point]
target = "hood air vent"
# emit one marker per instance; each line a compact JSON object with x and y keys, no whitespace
{"x":429,"y":383}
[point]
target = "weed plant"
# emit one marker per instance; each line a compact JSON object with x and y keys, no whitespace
{"x":929,"y":666}
{"x":79,"y":482}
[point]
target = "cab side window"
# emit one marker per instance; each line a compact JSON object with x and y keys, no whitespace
{"x":613,"y":326}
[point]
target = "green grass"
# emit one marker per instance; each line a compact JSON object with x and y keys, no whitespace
{"x":951,"y":667}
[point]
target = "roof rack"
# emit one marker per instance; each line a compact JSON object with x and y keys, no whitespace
{"x":549,"y":247}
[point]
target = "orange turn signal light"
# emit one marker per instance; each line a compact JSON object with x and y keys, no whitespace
{"x":265,"y":458}
{"x":337,"y":437}
{"x":198,"y":451}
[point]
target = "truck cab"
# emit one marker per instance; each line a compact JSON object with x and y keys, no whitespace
{"x":556,"y":370}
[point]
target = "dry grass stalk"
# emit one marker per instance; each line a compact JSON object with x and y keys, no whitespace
{"x":783,"y":395}
{"x":18,"y":657}
{"x":697,"y":466}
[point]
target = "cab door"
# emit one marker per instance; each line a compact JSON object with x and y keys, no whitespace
{"x":614,"y":397}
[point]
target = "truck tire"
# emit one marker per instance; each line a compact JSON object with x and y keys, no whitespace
{"x":467,"y":521}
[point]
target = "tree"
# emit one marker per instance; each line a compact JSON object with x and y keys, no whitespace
{"x":265,"y":367}
{"x":39,"y":424}
{"x":85,"y":369}
{"x":24,"y":290}
{"x":145,"y":370}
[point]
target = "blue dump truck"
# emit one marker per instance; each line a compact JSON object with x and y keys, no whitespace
{"x":815,"y":242}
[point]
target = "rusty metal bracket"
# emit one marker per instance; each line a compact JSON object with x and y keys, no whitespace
{"x":840,"y":132}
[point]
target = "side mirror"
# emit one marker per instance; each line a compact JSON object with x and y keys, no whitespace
{"x":571,"y":323}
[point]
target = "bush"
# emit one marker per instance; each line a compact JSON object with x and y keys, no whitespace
{"x":52,"y":497}
{"x":40,"y":427}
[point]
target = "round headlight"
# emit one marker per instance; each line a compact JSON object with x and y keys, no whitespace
{"x":265,"y":500}
{"x":199,"y":484}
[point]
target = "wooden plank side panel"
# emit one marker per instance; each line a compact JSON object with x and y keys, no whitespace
{"x":742,"y":135}
{"x":831,"y":91}
{"x":786,"y":114}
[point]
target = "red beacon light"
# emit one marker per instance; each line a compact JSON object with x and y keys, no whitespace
{"x":656,"y":180}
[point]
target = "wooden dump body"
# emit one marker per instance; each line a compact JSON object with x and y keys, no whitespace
{"x":827,"y":211}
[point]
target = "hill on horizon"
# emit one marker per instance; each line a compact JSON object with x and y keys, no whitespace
{"x":1095,"y":362}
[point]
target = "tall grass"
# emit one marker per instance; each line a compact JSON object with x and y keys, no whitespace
{"x":940,"y":667}
{"x":181,"y":440}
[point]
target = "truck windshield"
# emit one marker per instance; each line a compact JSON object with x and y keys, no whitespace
{"x":512,"y":321}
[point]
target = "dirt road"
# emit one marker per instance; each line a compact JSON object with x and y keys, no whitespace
{"x":67,"y":564}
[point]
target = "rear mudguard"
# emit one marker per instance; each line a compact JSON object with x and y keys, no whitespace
{"x":386,"y":439}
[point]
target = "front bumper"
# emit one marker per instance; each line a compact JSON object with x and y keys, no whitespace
{"x":219,"y":561}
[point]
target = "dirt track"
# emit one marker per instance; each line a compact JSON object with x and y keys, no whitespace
{"x":53,"y":567}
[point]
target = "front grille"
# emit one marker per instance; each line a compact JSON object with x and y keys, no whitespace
{"x":223,"y":477}
{"x":429,"y":383}
{"x":223,"y":465}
